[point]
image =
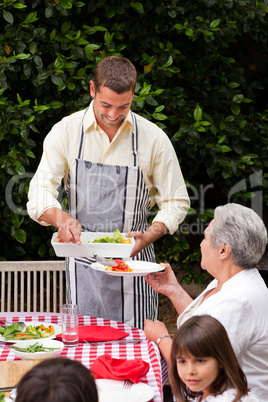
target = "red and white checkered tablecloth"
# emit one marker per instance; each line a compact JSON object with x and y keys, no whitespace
{"x":87,"y":354}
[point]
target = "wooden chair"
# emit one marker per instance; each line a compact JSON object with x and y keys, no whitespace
{"x":37,"y":286}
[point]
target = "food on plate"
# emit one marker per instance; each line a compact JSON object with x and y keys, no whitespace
{"x":117,"y":238}
{"x":35,"y":348}
{"x":14,"y":332}
{"x":121,"y":267}
{"x":2,"y":396}
{"x":11,"y":329}
{"x":58,"y":239}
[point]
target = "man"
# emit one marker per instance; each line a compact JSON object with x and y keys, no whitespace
{"x":116,"y":165}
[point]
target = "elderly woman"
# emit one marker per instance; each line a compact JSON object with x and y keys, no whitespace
{"x":234,"y":242}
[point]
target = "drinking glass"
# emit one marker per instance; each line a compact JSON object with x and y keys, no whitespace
{"x":69,"y":322}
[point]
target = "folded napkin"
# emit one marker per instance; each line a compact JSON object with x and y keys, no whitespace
{"x":95,"y":333}
{"x":107,"y":367}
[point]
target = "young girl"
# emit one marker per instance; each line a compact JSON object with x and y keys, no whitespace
{"x":204,"y":366}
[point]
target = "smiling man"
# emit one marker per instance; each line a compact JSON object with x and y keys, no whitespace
{"x":116,"y":166}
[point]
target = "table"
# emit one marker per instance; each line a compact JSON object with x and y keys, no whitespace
{"x":87,"y":354}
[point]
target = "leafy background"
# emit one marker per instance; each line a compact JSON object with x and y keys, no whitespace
{"x":202,"y":77}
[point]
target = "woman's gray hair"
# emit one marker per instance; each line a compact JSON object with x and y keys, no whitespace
{"x":242,"y":230}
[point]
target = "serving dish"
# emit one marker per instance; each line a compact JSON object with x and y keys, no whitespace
{"x":47,"y":343}
{"x":88,"y":249}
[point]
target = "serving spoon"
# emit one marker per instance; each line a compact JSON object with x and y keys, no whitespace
{"x":6,"y":324}
{"x":101,"y":260}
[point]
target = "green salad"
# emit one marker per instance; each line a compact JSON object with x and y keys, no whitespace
{"x":117,"y":238}
{"x":14,"y":332}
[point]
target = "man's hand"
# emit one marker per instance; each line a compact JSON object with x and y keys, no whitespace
{"x":140,"y":242}
{"x":69,"y":229}
{"x":154,"y":232}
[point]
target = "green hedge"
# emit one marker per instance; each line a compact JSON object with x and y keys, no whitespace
{"x":202,"y":76}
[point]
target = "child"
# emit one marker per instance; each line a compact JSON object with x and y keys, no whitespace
{"x":57,"y":380}
{"x":204,"y":366}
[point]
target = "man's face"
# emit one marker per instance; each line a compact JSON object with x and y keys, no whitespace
{"x":110,"y":108}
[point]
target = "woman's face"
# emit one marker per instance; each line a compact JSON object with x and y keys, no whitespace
{"x":198,"y":373}
{"x":209,"y":254}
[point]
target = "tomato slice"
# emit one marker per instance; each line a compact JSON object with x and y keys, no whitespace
{"x":120,"y":266}
{"x":120,"y":262}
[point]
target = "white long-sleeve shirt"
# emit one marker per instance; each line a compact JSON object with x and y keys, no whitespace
{"x":157,"y":160}
{"x":241,"y":307}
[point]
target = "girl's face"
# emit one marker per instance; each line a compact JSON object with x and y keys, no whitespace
{"x":198,"y":373}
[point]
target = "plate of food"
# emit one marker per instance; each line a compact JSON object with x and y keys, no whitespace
{"x":128,"y":268}
{"x":114,"y":391}
{"x":32,"y":330}
{"x":104,"y":244}
{"x":37,"y":349}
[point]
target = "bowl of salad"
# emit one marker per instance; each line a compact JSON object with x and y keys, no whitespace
{"x":104,"y":244}
{"x":37,"y":349}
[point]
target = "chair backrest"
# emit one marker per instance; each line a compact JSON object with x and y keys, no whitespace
{"x":37,"y":286}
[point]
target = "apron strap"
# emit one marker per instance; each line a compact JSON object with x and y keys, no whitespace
{"x":134,"y":139}
{"x":82,"y":134}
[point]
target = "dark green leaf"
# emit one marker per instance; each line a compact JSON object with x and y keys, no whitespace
{"x":138,"y":6}
{"x":56,"y":80}
{"x":8,"y":16}
{"x":20,"y":235}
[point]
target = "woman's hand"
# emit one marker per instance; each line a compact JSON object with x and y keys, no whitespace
{"x":163,"y":282}
{"x":154,"y":329}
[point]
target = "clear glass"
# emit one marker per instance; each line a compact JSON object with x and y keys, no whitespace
{"x":69,"y":322}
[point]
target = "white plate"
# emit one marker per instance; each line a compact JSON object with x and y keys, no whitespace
{"x":13,"y":394}
{"x":113,"y":391}
{"x":57,"y":330}
{"x":50,"y":343}
{"x":140,"y":268}
{"x":114,"y":250}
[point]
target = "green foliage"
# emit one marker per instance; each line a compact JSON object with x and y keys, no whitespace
{"x":202,"y":77}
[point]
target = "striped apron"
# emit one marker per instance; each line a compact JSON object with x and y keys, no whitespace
{"x":104,"y":198}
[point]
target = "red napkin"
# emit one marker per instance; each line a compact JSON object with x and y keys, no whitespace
{"x":107,"y":367}
{"x":94,"y":333}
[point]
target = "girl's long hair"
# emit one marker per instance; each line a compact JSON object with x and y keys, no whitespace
{"x":204,"y":336}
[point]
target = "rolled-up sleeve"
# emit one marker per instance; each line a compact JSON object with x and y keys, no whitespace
{"x":171,"y":193}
